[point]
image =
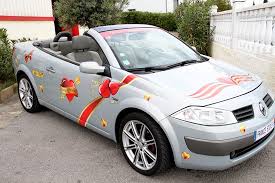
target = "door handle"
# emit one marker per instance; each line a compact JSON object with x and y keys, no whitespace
{"x":50,"y":69}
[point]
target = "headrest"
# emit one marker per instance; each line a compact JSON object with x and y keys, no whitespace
{"x":65,"y":47}
{"x":81,"y":42}
{"x":84,"y":43}
{"x":45,"y":43}
{"x":54,"y":46}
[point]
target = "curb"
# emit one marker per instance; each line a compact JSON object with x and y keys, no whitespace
{"x":6,"y":93}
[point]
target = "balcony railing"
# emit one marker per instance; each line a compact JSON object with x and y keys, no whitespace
{"x":249,"y":29}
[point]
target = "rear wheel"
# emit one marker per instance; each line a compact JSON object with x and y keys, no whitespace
{"x":144,"y":145}
{"x":27,"y":95}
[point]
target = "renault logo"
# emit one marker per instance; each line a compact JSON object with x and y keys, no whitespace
{"x":262,"y":108}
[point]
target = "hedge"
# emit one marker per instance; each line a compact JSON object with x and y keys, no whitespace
{"x":6,"y":71}
{"x":166,"y":21}
{"x":193,"y":22}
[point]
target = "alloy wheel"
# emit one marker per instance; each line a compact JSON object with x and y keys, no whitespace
{"x":139,"y":145}
{"x":25,"y":93}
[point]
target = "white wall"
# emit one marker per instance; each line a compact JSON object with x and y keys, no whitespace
{"x":28,"y":8}
{"x":246,"y":37}
{"x":30,"y":29}
{"x":158,"y":6}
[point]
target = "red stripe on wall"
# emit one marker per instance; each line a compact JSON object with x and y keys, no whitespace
{"x":25,"y":18}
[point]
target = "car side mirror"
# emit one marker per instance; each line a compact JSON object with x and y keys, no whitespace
{"x":91,"y":67}
{"x":194,"y":48}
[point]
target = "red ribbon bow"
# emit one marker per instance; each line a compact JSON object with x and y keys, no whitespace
{"x":107,"y":88}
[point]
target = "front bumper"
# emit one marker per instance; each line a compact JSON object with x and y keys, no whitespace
{"x":217,"y":147}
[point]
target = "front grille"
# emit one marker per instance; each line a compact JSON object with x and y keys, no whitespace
{"x":244,"y":113}
{"x":242,"y":151}
{"x":268,"y":100}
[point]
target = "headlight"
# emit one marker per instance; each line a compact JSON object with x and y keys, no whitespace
{"x":205,"y":116}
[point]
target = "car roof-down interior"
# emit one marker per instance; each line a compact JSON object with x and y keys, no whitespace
{"x":78,"y":48}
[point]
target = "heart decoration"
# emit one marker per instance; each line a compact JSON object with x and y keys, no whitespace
{"x":28,"y":56}
{"x":107,"y":88}
{"x":67,"y":83}
{"x":68,"y":89}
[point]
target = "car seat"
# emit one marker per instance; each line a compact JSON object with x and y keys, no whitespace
{"x":84,"y":49}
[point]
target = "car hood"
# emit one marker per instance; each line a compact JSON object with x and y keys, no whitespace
{"x":203,"y":83}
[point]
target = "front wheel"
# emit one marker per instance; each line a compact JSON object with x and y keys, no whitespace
{"x":144,"y":145}
{"x":27,"y":95}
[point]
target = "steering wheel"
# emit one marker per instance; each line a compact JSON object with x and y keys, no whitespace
{"x":68,"y":35}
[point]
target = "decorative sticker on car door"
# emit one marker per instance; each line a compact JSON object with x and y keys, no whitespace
{"x":106,"y":89}
{"x":213,"y":89}
{"x":28,"y":56}
{"x":37,"y":73}
{"x":68,"y":88}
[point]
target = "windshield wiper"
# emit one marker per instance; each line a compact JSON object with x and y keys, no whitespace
{"x":163,"y":68}
{"x":147,"y":69}
{"x":183,"y":63}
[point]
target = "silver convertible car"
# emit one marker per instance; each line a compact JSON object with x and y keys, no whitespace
{"x":157,"y":97}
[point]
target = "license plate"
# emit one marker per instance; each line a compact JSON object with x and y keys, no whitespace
{"x":262,"y":132}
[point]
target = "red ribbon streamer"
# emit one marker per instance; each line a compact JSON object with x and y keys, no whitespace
{"x":90,"y":108}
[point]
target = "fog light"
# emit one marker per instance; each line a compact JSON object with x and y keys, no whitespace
{"x":185,"y":155}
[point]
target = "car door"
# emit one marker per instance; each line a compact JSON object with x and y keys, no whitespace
{"x":72,"y":91}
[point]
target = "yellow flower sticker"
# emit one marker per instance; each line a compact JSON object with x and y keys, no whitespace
{"x":41,"y":88}
{"x":38,"y":73}
{"x":103,"y":123}
{"x":77,"y":80}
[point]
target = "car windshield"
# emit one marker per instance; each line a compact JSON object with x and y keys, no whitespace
{"x":139,"y":48}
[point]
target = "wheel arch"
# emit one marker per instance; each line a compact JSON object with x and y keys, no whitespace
{"x":20,"y":73}
{"x":23,"y":70}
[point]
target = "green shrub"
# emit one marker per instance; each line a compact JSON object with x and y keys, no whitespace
{"x":24,"y":39}
{"x":163,"y":20}
{"x":223,"y":5}
{"x":193,"y":21}
{"x":6,"y":71}
{"x":88,"y":13}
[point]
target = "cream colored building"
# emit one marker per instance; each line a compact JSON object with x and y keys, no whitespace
{"x":27,"y":18}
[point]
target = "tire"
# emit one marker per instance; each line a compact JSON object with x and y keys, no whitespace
{"x":30,"y":105}
{"x":160,"y":150}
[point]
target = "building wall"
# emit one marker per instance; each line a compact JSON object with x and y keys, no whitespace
{"x":158,"y":6}
{"x":27,"y":18}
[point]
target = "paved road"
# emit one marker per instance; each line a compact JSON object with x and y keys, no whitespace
{"x":47,"y":147}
